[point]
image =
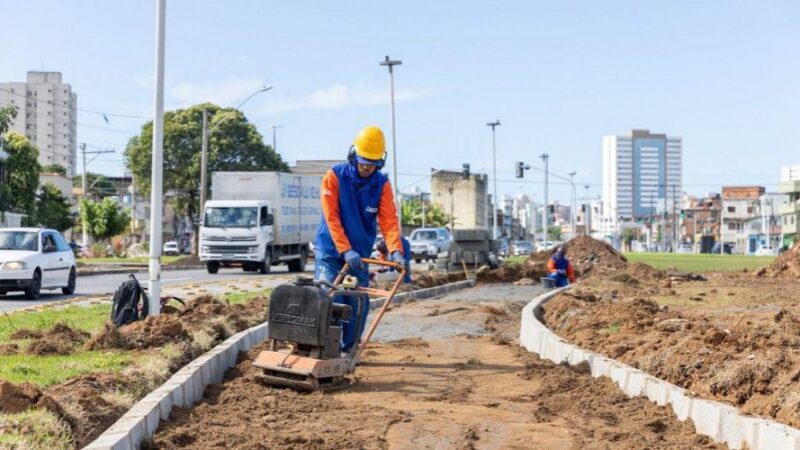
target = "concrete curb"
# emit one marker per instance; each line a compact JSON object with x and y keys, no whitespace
{"x":132,"y":269}
{"x":186,"y":386}
{"x":722,"y":423}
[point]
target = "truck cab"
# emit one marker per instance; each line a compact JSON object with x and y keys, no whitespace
{"x":236,"y":231}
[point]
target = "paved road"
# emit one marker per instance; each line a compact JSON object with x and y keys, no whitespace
{"x":174,"y":283}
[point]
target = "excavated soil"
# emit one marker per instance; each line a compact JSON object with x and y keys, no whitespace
{"x":177,"y":324}
{"x":447,"y":374}
{"x":733,"y":338}
{"x":60,"y":339}
{"x":785,"y":266}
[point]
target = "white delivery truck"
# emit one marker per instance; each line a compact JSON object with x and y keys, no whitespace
{"x":259,"y":219}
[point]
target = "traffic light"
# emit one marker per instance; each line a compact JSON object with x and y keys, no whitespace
{"x":465,"y":170}
{"x":520,"y":169}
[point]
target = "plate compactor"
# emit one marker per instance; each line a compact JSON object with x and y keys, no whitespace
{"x":305,"y":329}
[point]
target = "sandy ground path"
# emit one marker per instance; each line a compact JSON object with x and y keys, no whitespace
{"x":444,"y":374}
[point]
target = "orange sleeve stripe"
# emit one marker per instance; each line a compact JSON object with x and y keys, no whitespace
{"x":387,"y":219}
{"x":551,"y":266}
{"x":570,"y":273}
{"x":330,"y":208}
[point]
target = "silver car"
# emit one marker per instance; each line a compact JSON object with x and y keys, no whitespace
{"x":428,"y":243}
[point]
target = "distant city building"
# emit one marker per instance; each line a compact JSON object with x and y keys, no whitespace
{"x":739,"y":205}
{"x":47,"y":115}
{"x":790,"y":209}
{"x":462,"y":198}
{"x":642,"y":180}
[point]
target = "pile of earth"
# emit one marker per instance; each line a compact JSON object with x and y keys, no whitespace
{"x":59,"y":339}
{"x":204,"y":313}
{"x":588,"y":256}
{"x":785,"y":266}
{"x":752,"y":364}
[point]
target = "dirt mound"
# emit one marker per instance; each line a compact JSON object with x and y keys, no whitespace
{"x":21,"y":397}
{"x":26,"y":333}
{"x":9,"y":349}
{"x":217,"y":318}
{"x":434,"y":279}
{"x":512,"y":274}
{"x":588,"y":256}
{"x":60,"y":339}
{"x":785,"y":266}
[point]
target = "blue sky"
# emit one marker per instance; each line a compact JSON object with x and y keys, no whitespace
{"x":724,"y":75}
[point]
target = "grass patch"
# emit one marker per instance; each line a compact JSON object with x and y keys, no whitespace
{"x":515,"y":260}
{"x":36,"y":428}
{"x":49,"y":370}
{"x":86,"y":318}
{"x":242,"y":297}
{"x":700,"y":262}
{"x":131,"y":259}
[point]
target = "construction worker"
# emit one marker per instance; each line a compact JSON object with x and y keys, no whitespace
{"x":560,"y":269}
{"x":383,"y":254}
{"x":356,"y":198}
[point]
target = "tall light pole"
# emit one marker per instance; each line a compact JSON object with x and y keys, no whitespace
{"x":494,"y":125}
{"x":390,"y":63}
{"x":274,"y":138}
{"x":545,"y":219}
{"x":204,"y":156}
{"x":574,"y":205}
{"x":588,"y":213}
{"x":156,"y":185}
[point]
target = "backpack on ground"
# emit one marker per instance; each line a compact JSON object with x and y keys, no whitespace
{"x":125,"y":308}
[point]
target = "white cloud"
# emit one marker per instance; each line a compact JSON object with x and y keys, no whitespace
{"x":226,"y":92}
{"x":340,"y":96}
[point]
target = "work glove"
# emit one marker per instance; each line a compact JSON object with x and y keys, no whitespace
{"x":562,"y":272}
{"x":353,"y":259}
{"x":397,"y":257}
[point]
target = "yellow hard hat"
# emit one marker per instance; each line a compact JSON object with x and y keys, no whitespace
{"x":370,"y":144}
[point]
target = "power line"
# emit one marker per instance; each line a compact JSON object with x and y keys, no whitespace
{"x":101,"y":113}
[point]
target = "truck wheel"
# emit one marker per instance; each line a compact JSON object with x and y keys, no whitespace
{"x":266,"y":264}
{"x":299,"y":265}
{"x":212,"y":267}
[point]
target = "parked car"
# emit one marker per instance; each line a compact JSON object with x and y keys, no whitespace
{"x":32,"y":259}
{"x":684,"y":248}
{"x":504,"y":249}
{"x":171,"y":248}
{"x":428,"y":243}
{"x":766,"y":250}
{"x":523,"y":248}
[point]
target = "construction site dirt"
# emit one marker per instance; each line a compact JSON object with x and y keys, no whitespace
{"x":733,"y":337}
{"x":443,"y":373}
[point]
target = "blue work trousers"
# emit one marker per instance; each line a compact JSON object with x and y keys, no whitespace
{"x":327,"y":268}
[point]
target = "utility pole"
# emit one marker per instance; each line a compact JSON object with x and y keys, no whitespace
{"x":652,"y":211}
{"x":494,"y":125}
{"x":573,"y":206}
{"x":422,"y":203}
{"x":588,"y":212}
{"x":274,"y":138}
{"x":133,"y":206}
{"x":545,"y":218}
{"x":390,"y":63}
{"x":156,"y":187}
{"x":674,"y":220}
{"x":85,"y":188}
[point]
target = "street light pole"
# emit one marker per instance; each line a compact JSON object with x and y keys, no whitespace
{"x":274,"y":138}
{"x":545,"y":219}
{"x":573,"y":206}
{"x":494,"y":125}
{"x":156,"y":200}
{"x":390,"y":63}
{"x":588,"y":212}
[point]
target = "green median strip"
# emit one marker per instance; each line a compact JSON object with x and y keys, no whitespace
{"x":49,"y":370}
{"x":700,"y":262}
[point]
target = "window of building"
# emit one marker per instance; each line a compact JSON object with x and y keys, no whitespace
{"x":731,"y":209}
{"x":749,"y":210}
{"x":732,"y":226}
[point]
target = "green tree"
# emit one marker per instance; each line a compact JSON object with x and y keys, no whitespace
{"x":411,"y":214}
{"x":52,"y":209}
{"x":55,"y":168}
{"x":18,"y":193}
{"x":103,"y":219}
{"x":7,"y":114}
{"x":554,"y":233}
{"x":96,"y":184}
{"x":234,"y":144}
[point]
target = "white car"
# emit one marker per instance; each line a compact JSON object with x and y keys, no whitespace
{"x":32,"y":259}
{"x":171,"y":248}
